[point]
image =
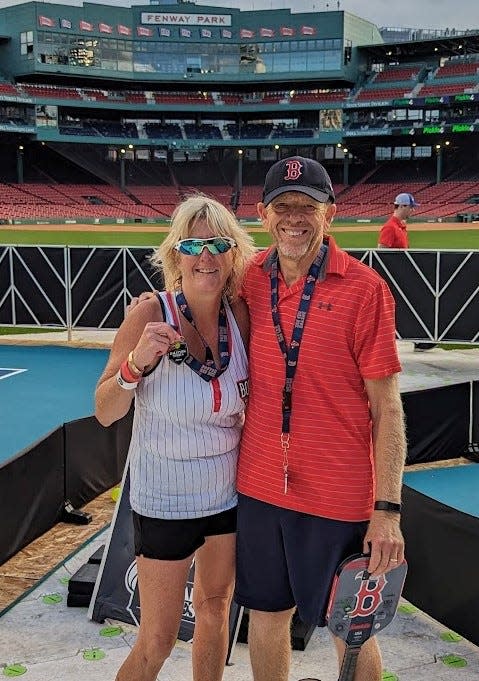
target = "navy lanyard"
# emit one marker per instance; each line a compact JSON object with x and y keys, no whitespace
{"x":207,"y":371}
{"x":291,"y":353}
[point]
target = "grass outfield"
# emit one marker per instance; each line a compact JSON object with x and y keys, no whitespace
{"x":429,"y":239}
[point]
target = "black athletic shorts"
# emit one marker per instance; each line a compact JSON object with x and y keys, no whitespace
{"x":178,"y":539}
{"x":286,"y":558}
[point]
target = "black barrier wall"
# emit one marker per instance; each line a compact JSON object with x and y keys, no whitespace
{"x":442,"y":546}
{"x":76,"y":462}
{"x":31,"y":493}
{"x":438,"y":422}
{"x":436,"y":292}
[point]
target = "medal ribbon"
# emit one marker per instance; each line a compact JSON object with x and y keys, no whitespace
{"x":291,"y":353}
{"x":207,"y":371}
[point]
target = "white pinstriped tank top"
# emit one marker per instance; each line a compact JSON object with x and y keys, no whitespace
{"x":186,"y":432}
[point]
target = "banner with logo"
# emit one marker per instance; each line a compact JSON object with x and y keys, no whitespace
{"x":116,"y":589}
{"x":266,"y":32}
{"x":143,"y":31}
{"x":65,"y":23}
{"x":246,"y":33}
{"x":85,"y":25}
{"x":46,"y":21}
{"x":286,"y":31}
{"x":123,"y":30}
{"x":105,"y":28}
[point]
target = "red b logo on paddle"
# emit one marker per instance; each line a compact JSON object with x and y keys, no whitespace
{"x":294,"y":170}
{"x":369,"y":596}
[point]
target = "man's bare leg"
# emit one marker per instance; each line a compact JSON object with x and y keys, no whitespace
{"x":269,"y":640}
{"x":369,"y":665}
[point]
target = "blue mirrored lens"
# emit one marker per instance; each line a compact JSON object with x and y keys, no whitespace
{"x":215,"y":246}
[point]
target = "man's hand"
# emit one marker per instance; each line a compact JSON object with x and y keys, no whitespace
{"x":385,"y":542}
{"x":146,"y":295}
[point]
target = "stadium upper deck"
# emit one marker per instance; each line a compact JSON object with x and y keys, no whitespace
{"x":181,"y":81}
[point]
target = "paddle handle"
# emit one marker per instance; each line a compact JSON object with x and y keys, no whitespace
{"x":348,"y":666}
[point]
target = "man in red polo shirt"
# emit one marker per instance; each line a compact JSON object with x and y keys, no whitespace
{"x":323,"y":446}
{"x":393,"y":233}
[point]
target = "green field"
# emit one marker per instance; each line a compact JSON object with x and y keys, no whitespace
{"x":455,"y":239}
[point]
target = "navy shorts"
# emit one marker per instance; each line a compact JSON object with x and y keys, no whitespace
{"x":287,"y":558}
{"x":178,"y":539}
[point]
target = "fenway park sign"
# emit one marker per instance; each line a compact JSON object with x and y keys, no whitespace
{"x":178,"y":18}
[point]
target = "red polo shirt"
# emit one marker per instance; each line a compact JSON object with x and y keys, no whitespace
{"x":393,"y":234}
{"x":349,"y":335}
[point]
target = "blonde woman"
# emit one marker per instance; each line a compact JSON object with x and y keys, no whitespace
{"x":182,"y":355}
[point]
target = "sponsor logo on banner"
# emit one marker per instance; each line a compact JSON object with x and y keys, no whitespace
{"x":246,"y":33}
{"x":65,"y":23}
{"x":105,"y":28}
{"x":123,"y":30}
{"x":165,"y":32}
{"x":180,"y":19}
{"x":308,"y":30}
{"x":266,"y":32}
{"x":144,"y":31}
{"x":286,"y":31}
{"x":85,"y":25}
{"x":46,"y":21}
{"x":185,"y":33}
{"x":206,"y":33}
{"x":226,"y":34}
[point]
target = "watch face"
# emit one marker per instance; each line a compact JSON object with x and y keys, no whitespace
{"x":178,"y":351}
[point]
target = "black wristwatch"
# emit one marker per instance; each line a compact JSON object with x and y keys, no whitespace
{"x":387,"y":506}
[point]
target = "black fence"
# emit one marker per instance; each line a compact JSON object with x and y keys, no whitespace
{"x":436,"y":292}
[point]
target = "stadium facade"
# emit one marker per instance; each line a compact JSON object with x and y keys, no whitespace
{"x":122,"y":95}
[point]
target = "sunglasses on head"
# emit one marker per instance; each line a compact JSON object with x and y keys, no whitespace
{"x":216,"y":245}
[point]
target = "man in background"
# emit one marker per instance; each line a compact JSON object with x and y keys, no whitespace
{"x":393,"y":233}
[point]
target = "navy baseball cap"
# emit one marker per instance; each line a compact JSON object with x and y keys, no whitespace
{"x":298,"y":174}
{"x":405,"y":199}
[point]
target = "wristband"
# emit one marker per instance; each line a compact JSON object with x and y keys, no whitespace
{"x":126,"y":385}
{"x":387,"y":506}
{"x":127,"y":374}
{"x":132,"y":365}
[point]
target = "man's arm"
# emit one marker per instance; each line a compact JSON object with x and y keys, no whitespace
{"x":389,"y":447}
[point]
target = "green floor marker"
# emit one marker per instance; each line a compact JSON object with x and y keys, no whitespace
{"x":64,"y":580}
{"x":407,"y":609}
{"x":14,"y":670}
{"x":451,"y":636}
{"x":109,"y":632}
{"x":52,"y":599}
{"x":389,"y":676}
{"x":93,"y":654}
{"x":454,"y":661}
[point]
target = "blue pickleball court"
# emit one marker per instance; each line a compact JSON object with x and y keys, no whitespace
{"x":42,"y":387}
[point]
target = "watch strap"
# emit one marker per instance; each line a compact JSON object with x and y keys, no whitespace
{"x":390,"y":506}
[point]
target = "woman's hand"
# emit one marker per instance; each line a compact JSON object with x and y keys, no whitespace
{"x":155,"y":341}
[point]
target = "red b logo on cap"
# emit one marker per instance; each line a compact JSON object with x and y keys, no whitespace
{"x":294,"y":170}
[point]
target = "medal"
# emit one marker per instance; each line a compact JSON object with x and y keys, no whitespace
{"x":178,"y":351}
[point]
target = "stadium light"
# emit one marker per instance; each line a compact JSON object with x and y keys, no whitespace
{"x":447,"y":143}
{"x":20,"y":147}
{"x":276,"y":146}
{"x":240,"y":152}
{"x":130,"y":146}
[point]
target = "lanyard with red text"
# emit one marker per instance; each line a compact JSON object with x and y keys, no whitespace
{"x":291,"y":354}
